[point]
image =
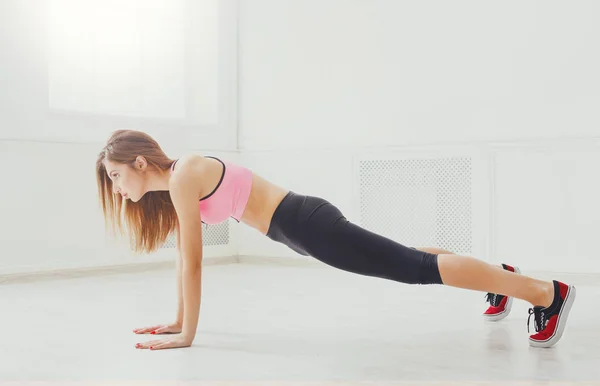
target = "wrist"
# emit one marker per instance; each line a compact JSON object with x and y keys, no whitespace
{"x":188,"y":336}
{"x":188,"y":330}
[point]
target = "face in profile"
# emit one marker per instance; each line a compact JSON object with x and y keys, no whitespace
{"x":126,"y":180}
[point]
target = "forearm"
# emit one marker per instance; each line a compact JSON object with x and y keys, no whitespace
{"x":180,"y":307}
{"x":192,"y":290}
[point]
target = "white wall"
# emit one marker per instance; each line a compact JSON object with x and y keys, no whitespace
{"x":546,"y":205}
{"x":515,"y":85}
{"x":398,"y":72}
{"x":67,"y":81}
{"x":322,"y":85}
{"x":166,"y":67}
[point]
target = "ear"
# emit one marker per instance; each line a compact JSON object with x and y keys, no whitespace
{"x":140,"y":163}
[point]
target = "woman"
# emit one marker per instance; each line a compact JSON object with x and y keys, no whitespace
{"x":159,"y":195}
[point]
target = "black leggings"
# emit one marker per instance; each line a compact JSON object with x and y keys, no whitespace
{"x":312,"y":226}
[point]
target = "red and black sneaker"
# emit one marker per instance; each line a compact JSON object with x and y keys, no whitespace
{"x":500,"y":305}
{"x":550,"y":321}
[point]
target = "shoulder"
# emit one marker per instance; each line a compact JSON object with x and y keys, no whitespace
{"x":187,"y":175}
{"x":190,"y":163}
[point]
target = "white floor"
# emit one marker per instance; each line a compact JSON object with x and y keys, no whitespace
{"x":263,"y":323}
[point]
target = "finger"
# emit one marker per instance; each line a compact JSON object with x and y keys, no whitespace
{"x":160,"y":330}
{"x":167,"y":329}
{"x":153,"y":328}
{"x":146,"y":345}
{"x":145,"y":330}
{"x":162,"y":345}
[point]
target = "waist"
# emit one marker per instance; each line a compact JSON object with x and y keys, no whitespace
{"x":264,"y":199}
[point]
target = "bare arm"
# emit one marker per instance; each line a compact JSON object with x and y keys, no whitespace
{"x":185,"y":192}
{"x":174,"y":327}
{"x":179,"y":317}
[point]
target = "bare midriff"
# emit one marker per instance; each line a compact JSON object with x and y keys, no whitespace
{"x":264,"y":199}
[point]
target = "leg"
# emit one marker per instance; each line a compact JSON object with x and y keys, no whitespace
{"x":319,"y":228}
{"x":552,"y":301}
{"x":469,"y":273}
{"x":331,"y":238}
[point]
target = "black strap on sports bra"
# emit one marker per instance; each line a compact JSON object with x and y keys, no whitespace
{"x":220,"y":180}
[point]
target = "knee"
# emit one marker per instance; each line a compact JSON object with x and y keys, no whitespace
{"x":434,"y":251}
{"x":429,"y":272}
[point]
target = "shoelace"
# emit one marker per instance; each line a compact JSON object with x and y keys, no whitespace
{"x":539,"y":319}
{"x":492,"y":299}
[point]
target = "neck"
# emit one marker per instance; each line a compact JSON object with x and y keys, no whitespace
{"x":158,"y":181}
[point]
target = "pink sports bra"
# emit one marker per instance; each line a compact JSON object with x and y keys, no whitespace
{"x":230,"y":196}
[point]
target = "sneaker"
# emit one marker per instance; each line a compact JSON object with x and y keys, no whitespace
{"x":550,"y":321}
{"x":500,"y":305}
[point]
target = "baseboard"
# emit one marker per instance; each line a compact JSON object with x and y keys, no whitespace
{"x":115,"y":269}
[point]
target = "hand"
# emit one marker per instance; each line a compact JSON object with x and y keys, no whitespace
{"x":179,"y":340}
{"x":173,"y":328}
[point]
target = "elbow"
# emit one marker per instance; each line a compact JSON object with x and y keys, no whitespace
{"x":191,"y":259}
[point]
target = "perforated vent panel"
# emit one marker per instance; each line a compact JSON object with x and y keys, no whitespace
{"x":418,"y":202}
{"x":217,"y":234}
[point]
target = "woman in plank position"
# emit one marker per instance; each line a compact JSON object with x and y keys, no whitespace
{"x":157,"y":195}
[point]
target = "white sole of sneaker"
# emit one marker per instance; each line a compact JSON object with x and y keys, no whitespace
{"x":562,"y":321}
{"x":503,"y":314}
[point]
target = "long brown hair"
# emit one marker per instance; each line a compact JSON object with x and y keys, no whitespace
{"x":150,"y":220}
